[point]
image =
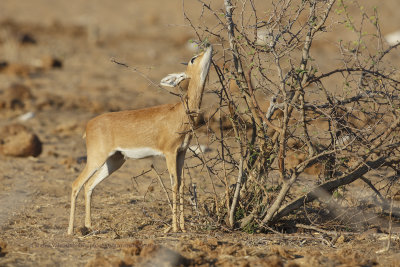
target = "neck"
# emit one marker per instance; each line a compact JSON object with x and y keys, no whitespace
{"x":193,"y":100}
{"x":195,"y":96}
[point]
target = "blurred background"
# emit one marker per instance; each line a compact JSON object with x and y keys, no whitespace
{"x":56,"y":72}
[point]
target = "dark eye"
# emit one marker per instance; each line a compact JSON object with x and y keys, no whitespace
{"x":192,"y":60}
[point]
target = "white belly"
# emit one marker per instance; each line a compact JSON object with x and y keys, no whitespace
{"x":139,"y":153}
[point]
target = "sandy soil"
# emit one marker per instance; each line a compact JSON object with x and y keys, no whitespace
{"x":129,"y":211}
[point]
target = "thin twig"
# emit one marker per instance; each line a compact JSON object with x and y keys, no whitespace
{"x":369,"y":183}
{"x":163,"y":186}
{"x":236,"y":194}
{"x":142,"y":74}
{"x":314,"y":228}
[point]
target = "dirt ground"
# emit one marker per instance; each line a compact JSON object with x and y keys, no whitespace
{"x":129,"y":210}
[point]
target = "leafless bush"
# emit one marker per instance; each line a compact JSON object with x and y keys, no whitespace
{"x":288,"y":118}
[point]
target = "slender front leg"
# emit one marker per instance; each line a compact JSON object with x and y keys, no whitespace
{"x":175,"y":182}
{"x":181,"y":203}
{"x":181,"y":160}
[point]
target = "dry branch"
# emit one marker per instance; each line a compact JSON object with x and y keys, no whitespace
{"x":329,"y":187}
{"x":272,"y":54}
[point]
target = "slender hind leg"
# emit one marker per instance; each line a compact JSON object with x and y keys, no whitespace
{"x":112,"y":164}
{"x":76,"y":187}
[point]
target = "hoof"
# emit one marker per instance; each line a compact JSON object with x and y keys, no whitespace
{"x":85,"y":230}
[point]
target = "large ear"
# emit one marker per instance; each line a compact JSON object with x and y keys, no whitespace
{"x":173,"y":79}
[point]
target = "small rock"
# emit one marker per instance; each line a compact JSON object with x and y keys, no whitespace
{"x":27,"y":39}
{"x":3,"y":248}
{"x":51,"y":62}
{"x":47,"y":63}
{"x":3,"y":65}
{"x":16,"y":69}
{"x":17,"y":141}
{"x":17,"y":96}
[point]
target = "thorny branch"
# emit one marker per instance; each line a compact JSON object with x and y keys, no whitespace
{"x":280,"y":114}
